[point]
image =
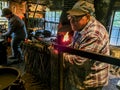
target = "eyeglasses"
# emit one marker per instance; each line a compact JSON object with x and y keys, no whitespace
{"x":74,"y":18}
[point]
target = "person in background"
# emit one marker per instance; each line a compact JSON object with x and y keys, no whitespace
{"x":17,"y":31}
{"x":89,"y":35}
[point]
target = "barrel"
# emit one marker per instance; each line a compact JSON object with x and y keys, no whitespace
{"x":8,"y":76}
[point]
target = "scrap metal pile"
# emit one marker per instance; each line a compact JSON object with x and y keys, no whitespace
{"x":37,"y":60}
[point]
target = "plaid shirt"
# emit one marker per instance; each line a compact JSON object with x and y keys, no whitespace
{"x":84,"y":72}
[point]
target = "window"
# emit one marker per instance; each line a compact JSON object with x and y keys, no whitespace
{"x":3,"y":4}
{"x":3,"y":20}
{"x":52,"y":21}
{"x":115,"y":29}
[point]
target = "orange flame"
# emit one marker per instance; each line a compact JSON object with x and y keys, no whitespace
{"x":66,"y":37}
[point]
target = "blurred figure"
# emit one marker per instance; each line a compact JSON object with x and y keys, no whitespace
{"x":89,"y":35}
{"x":17,"y":31}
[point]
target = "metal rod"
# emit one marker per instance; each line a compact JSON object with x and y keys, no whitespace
{"x":36,"y":8}
{"x":90,"y":55}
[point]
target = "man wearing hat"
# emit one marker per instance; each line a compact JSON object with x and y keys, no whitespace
{"x":17,"y":30}
{"x":89,"y":35}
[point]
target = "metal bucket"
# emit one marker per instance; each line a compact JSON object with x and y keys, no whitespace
{"x":8,"y":76}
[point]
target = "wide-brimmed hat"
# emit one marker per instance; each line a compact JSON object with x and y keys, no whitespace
{"x":6,"y":11}
{"x":82,"y":7}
